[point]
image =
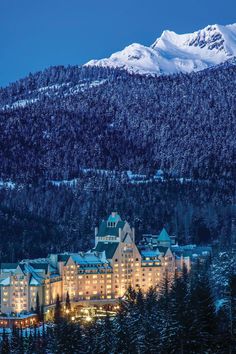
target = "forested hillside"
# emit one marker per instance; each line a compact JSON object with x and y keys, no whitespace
{"x":37,"y":220}
{"x":55,"y":122}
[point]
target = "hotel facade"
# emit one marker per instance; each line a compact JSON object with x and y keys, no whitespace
{"x":102,"y":274}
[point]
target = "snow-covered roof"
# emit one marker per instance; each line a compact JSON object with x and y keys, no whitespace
{"x":89,"y":258}
{"x":34,"y":281}
{"x":150,"y":253}
{"x":5,"y":281}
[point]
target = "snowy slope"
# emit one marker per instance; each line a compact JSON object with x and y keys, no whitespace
{"x":173,"y":53}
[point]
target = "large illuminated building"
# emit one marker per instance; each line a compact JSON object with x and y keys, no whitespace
{"x":102,"y":274}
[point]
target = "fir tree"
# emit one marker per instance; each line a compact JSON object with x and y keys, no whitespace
{"x":30,"y":344}
{"x":203,"y":317}
{"x":37,"y":307}
{"x":16,"y":341}
{"x":178,"y":310}
{"x":58,"y":310}
{"x":105,"y":340}
{"x":5,"y":346}
{"x":68,"y":305}
{"x":151,"y":323}
{"x":232,"y":309}
{"x":122,"y":342}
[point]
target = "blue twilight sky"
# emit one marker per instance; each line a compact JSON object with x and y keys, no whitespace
{"x":35,"y":34}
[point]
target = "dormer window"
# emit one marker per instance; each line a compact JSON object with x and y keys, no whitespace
{"x":113,"y":219}
{"x":111,"y":224}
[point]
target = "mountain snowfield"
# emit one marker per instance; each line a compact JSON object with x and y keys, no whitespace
{"x":173,"y":53}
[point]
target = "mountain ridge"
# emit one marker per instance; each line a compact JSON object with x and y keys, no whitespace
{"x":105,"y":118}
{"x":173,"y":53}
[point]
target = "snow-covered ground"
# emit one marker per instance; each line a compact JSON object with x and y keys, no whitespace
{"x":19,"y":103}
{"x":173,"y":53}
{"x":52,"y":91}
{"x":7,"y":184}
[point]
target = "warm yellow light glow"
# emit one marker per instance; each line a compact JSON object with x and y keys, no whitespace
{"x":88,"y":318}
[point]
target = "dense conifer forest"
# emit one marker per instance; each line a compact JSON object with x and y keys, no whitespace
{"x":62,"y":119}
{"x":77,"y":143}
{"x":37,"y":220}
{"x":58,"y":123}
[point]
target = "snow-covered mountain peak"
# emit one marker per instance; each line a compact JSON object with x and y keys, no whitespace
{"x":212,"y":38}
{"x":173,"y":53}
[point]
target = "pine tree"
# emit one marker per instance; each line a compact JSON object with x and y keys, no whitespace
{"x":151,"y":323}
{"x":90,"y":338}
{"x":58,"y":310}
{"x":122,"y":342}
{"x":30,"y":344}
{"x":164,"y":308}
{"x":179,"y":317}
{"x":5,"y":346}
{"x":203,"y":317}
{"x":232,"y":309}
{"x":68,"y":305}
{"x":105,"y":340}
{"x":131,"y":295}
{"x":37,"y":307}
{"x":16,"y":341}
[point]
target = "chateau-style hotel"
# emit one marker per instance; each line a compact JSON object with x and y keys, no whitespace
{"x":101,"y":275}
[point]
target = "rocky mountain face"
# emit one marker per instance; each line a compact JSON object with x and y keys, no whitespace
{"x":173,"y":53}
{"x":79,"y":142}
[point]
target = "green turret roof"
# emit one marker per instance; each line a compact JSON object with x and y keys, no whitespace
{"x":162,"y":249}
{"x":104,"y":230}
{"x":164,"y":236}
{"x":114,"y":217}
{"x":109,"y":248}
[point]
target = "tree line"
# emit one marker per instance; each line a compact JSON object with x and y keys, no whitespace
{"x":183,"y":124}
{"x":36,"y":220}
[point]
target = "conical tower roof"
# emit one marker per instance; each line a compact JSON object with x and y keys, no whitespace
{"x":164,"y":236}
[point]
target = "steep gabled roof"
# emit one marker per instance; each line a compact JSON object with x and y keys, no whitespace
{"x":162,"y":249}
{"x":127,"y":239}
{"x":21,"y":267}
{"x":63,"y":257}
{"x":43,"y":266}
{"x":34,"y":281}
{"x":164,"y":237}
{"x":9,"y":266}
{"x":109,"y":248}
{"x":104,"y":230}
